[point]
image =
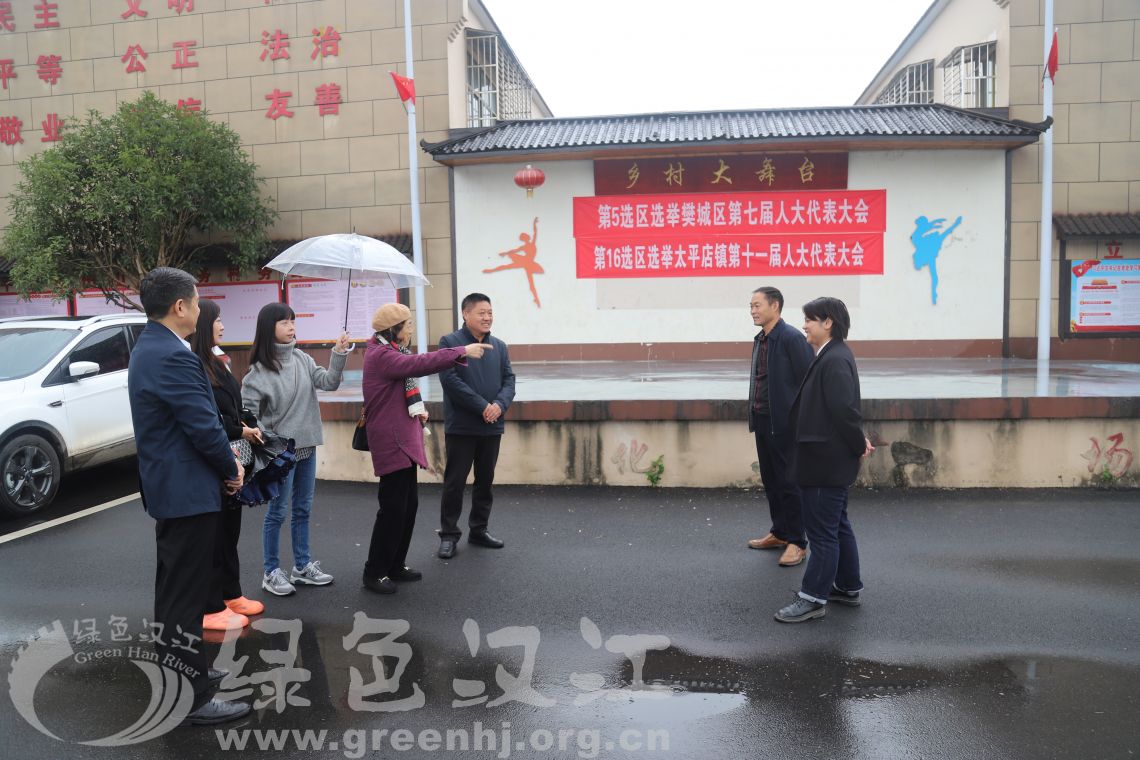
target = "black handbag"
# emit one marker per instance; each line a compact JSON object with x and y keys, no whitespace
{"x":360,"y":434}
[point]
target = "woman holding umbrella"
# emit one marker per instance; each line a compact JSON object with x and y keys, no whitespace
{"x":281,"y":390}
{"x":394,"y":423}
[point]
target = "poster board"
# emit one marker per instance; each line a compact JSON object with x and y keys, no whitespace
{"x":1103,"y":298}
{"x":239,"y":303}
{"x":92,"y":303}
{"x":37,"y":305}
{"x":320,"y":307}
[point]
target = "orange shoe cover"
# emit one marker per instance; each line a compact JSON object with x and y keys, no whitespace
{"x":226,"y":620}
{"x":243,"y":606}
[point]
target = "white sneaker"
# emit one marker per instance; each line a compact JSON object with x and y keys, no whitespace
{"x":311,"y":575}
{"x":276,"y":583}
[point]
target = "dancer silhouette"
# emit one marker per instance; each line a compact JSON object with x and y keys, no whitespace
{"x":524,"y":260}
{"x":927,"y":237}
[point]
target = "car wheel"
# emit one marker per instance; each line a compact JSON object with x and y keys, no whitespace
{"x":30,"y":471}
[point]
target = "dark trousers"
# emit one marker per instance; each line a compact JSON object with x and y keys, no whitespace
{"x":226,"y":580}
{"x":784,"y":504}
{"x":395,"y":519}
{"x":182,"y":593}
{"x":834,"y":558}
{"x":462,"y":452}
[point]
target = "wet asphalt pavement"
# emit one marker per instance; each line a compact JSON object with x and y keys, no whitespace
{"x":995,"y":624}
{"x":81,"y":490}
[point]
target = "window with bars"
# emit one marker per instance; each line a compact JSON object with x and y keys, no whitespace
{"x":968,"y":76}
{"x":913,"y":84}
{"x":497,"y":86}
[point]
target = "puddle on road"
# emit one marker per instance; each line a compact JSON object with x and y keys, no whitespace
{"x":712,"y":706}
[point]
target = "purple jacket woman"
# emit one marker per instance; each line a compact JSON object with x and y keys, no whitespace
{"x":395,"y":439}
{"x":394,"y":423}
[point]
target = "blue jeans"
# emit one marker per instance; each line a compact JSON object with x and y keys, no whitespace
{"x":296,"y":491}
{"x":834,"y":558}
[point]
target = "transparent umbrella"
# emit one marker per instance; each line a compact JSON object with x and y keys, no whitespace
{"x":348,"y":256}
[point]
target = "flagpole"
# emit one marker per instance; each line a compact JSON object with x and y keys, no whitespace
{"x":1045,"y":288}
{"x":413,"y":173}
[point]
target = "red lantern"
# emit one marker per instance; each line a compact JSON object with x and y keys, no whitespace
{"x":529,"y":178}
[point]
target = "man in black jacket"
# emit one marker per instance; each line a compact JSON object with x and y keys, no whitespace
{"x":780,"y":358}
{"x":828,"y":444}
{"x":475,"y":399}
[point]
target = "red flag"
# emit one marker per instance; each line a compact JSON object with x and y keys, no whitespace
{"x":404,"y":86}
{"x":1051,"y":61}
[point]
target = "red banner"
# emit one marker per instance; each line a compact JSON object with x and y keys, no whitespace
{"x":730,"y":255}
{"x":719,"y":174}
{"x":820,"y":211}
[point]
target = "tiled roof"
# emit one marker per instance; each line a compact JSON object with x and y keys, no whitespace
{"x":931,"y":121}
{"x":1097,"y":225}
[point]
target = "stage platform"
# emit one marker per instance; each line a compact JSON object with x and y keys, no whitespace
{"x":937,"y":422}
{"x":727,"y":381}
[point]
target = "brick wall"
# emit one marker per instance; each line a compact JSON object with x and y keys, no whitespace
{"x":327,"y":173}
{"x":1096,"y":153}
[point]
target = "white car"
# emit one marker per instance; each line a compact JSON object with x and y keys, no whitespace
{"x":63,"y":401}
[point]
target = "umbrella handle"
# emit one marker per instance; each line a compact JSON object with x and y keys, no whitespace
{"x":347,"y":298}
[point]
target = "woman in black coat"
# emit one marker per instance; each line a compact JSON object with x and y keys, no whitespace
{"x":228,"y":607}
{"x":827,"y":444}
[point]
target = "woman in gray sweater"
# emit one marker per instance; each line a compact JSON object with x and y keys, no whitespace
{"x":281,"y":391}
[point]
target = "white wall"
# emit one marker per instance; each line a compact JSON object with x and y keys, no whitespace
{"x":491,"y":212}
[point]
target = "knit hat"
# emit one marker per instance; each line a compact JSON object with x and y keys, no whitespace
{"x":390,"y":315}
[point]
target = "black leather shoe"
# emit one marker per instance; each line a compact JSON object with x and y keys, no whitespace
{"x":406,"y":574}
{"x":446,"y":548}
{"x":485,"y":539}
{"x":383,"y":585}
{"x":846,"y":598}
{"x":217,"y":675}
{"x":216,"y":711}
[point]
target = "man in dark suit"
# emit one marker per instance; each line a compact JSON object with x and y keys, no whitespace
{"x":475,"y":399}
{"x":828,"y":445}
{"x":780,"y":358}
{"x":185,"y":461}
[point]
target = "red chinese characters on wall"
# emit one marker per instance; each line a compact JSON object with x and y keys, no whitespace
{"x":49,"y":68}
{"x":328,"y":99}
{"x":53,"y":127}
{"x":325,"y":43}
{"x":730,"y":173}
{"x":133,"y":9}
{"x":7,"y":71}
{"x":279,"y":104}
{"x":731,"y":234}
{"x":276,"y":45}
{"x":134,"y":58}
{"x":10,"y":130}
{"x":47,"y":15}
{"x":183,"y":55}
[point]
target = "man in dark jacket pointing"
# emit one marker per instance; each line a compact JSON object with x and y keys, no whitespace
{"x":475,"y":399}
